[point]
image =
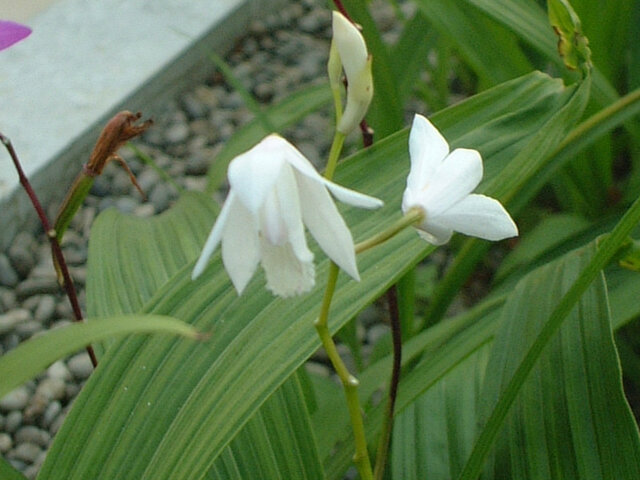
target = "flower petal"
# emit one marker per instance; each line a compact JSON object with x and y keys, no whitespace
{"x":298,"y":161}
{"x":214,"y":237}
{"x":427,"y":148}
{"x":286,"y":273}
{"x":11,"y":32}
{"x":435,"y":233}
{"x":350,"y":44}
{"x":456,"y":177}
{"x":480,"y":216}
{"x":327,"y":226}
{"x":240,"y":245}
{"x":253,"y":174}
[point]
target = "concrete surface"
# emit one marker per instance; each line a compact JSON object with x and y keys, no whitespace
{"x":86,"y":60}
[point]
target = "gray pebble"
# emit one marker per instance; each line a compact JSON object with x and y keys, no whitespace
{"x":7,"y":299}
{"x":8,"y":276}
{"x":177,"y":133}
{"x":6,"y":443}
{"x":20,"y":254}
{"x":60,"y":371}
{"x":147,"y":179}
{"x":13,"y":421}
{"x":46,"y":308}
{"x":26,"y":452}
{"x":198,"y":164}
{"x":193,"y":107}
{"x":80,"y":366}
{"x":17,"y":399}
{"x":31,"y":434}
{"x":57,"y":423}
{"x":126,"y":204}
{"x":51,"y":413}
{"x":27,"y":329}
{"x":37,"y":285}
{"x":161,"y":196}
{"x":13,"y":318}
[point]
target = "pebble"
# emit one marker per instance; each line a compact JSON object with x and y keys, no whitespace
{"x":6,"y":443}
{"x":13,"y":421}
{"x":26,"y":452}
{"x":20,"y":254}
{"x":80,"y":366}
{"x":37,"y":285}
{"x":8,"y":276}
{"x":16,"y":399}
{"x":46,"y":308}
{"x":60,"y":371}
{"x":34,"y":435}
{"x":51,"y":413}
{"x":13,"y":318}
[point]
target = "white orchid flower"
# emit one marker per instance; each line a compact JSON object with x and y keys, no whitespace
{"x":440,"y":184}
{"x":356,"y":61}
{"x":275,"y":192}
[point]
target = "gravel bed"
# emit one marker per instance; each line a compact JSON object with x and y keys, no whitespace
{"x":279,"y":55}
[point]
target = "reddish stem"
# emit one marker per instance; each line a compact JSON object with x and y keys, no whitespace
{"x":51,"y":235}
{"x":342,"y":10}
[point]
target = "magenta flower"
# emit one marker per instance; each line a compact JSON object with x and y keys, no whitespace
{"x":12,"y":32}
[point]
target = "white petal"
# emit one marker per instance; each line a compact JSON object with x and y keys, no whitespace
{"x":253,"y":174}
{"x":456,"y":177}
{"x":214,"y":237}
{"x":480,"y":216}
{"x":298,"y":161}
{"x":427,"y":148}
{"x":286,"y":274}
{"x":240,"y":245}
{"x":350,"y":45}
{"x":434,"y":233}
{"x":327,"y":226}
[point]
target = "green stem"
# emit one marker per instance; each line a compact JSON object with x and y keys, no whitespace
{"x":349,"y":382}
{"x":413,"y":216}
{"x":334,"y":154}
{"x":607,"y":249}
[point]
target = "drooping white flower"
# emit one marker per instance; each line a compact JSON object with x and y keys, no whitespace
{"x":440,"y":184}
{"x":349,"y":44}
{"x":275,"y":192}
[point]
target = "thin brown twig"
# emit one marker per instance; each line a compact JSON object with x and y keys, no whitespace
{"x":341,"y":9}
{"x":68,"y":285}
{"x":387,"y":427}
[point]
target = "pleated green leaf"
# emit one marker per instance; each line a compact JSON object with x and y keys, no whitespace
{"x":185,"y":403}
{"x":570,"y":419}
{"x":36,"y":354}
{"x":277,"y":443}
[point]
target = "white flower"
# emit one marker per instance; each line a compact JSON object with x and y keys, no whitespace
{"x":356,"y":61}
{"x":275,"y":192}
{"x":440,"y":184}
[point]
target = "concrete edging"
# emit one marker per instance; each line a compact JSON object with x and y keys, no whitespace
{"x":87,"y":60}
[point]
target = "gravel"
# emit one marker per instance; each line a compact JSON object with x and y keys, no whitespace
{"x":279,"y":55}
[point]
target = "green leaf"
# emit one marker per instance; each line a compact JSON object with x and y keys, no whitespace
{"x":590,"y":270}
{"x":36,"y":354}
{"x":573,"y":46}
{"x":280,"y":115}
{"x":500,"y":58}
{"x":277,"y":442}
{"x":570,"y":419}
{"x":7,"y":472}
{"x":190,"y":400}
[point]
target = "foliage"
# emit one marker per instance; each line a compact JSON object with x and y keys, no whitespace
{"x":526,"y":383}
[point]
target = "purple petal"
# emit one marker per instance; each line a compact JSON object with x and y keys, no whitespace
{"x":11,"y":32}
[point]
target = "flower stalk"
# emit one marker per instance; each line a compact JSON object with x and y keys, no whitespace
{"x":349,"y":382}
{"x":59,"y":260}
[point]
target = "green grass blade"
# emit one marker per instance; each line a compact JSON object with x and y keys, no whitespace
{"x":33,"y":356}
{"x":557,"y":314}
